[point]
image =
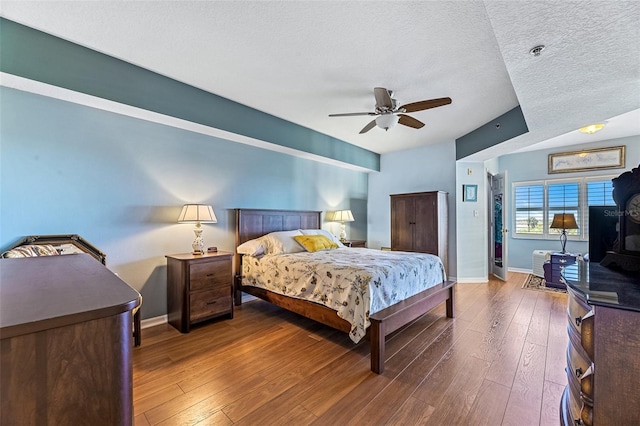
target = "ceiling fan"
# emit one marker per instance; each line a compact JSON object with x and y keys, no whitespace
{"x":388,"y":113}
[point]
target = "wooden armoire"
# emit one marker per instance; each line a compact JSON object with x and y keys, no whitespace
{"x":419,"y":222}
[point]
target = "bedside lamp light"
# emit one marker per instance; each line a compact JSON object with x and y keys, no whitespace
{"x":564,"y":221}
{"x":343,"y":216}
{"x":197,"y":213}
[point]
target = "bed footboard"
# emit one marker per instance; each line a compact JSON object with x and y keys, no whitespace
{"x":392,"y":318}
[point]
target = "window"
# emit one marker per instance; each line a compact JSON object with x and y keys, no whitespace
{"x":563,"y":198}
{"x":535,"y":203}
{"x":529,"y":209}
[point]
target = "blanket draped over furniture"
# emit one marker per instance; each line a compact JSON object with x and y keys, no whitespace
{"x":355,"y":290}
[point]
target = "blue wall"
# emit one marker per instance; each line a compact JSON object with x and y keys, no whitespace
{"x":428,"y":168}
{"x":120,"y":183}
{"x":528,"y":166}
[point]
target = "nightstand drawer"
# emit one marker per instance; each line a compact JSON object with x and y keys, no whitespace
{"x":209,"y":275}
{"x":210,"y":303}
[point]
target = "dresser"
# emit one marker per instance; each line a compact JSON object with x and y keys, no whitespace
{"x":199,"y":288}
{"x":603,"y":354}
{"x":65,"y":323}
{"x":419,"y":222}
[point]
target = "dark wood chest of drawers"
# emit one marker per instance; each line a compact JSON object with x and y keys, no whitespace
{"x":66,"y":346}
{"x":603,"y":355}
{"x":199,"y":287}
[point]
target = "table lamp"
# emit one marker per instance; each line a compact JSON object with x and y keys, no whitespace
{"x":564,"y":221}
{"x":343,"y":216}
{"x":198,"y":214}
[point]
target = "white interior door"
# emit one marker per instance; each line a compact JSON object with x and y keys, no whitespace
{"x":498,"y":227}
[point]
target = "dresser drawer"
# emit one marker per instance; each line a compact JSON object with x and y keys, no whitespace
{"x":577,"y":365}
{"x":208,"y":303}
{"x":581,"y":321}
{"x":579,"y":409}
{"x":209,"y":275}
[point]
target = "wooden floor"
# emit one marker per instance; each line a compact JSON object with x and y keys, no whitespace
{"x":500,"y":361}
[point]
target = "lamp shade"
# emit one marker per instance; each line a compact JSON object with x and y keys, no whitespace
{"x":197,"y":213}
{"x":564,"y":221}
{"x":343,"y":216}
{"x":387,"y":121}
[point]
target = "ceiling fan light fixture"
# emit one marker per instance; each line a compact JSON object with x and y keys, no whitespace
{"x":592,"y":128}
{"x":387,"y":121}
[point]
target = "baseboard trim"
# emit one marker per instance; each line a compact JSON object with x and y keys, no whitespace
{"x":151,"y":322}
{"x":521,"y":270}
{"x":473,"y":280}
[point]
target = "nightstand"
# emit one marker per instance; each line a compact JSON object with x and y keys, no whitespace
{"x":199,"y":287}
{"x":557,"y":264}
{"x":355,"y":243}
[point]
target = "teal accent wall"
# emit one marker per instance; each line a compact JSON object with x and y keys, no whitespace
{"x":39,"y":56}
{"x":507,"y":126}
{"x":120,"y":182}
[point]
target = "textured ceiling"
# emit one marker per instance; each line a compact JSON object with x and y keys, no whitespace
{"x":304,"y":60}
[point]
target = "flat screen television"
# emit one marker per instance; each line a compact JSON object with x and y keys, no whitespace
{"x":603,"y":231}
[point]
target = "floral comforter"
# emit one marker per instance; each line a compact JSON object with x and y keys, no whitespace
{"x":355,"y":282}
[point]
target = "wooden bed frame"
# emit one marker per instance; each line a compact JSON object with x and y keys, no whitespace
{"x":253,"y":223}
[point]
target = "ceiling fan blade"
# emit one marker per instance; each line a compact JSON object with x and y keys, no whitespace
{"x":383,"y":99}
{"x":368,"y":127}
{"x":422,"y":105}
{"x":352,"y":114}
{"x":410,"y":121}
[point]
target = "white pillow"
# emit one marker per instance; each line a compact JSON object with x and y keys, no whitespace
{"x":282,"y":242}
{"x":252,"y":247}
{"x":327,"y":234}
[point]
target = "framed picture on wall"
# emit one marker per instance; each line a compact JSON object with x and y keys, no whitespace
{"x":587,"y":160}
{"x":470,"y":193}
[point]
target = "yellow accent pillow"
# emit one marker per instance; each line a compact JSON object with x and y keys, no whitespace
{"x":313,"y":243}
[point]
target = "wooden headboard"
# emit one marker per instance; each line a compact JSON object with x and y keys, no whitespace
{"x":254,"y":223}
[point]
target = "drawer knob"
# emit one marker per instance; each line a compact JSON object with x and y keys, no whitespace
{"x":582,"y":318}
{"x":212,"y":303}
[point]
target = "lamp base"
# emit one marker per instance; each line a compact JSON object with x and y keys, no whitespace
{"x":343,"y":233}
{"x":198,"y":243}
{"x":563,"y":240}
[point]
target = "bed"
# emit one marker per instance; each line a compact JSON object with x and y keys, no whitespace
{"x":252,"y":224}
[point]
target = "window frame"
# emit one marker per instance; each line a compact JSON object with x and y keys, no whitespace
{"x":583,"y":207}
